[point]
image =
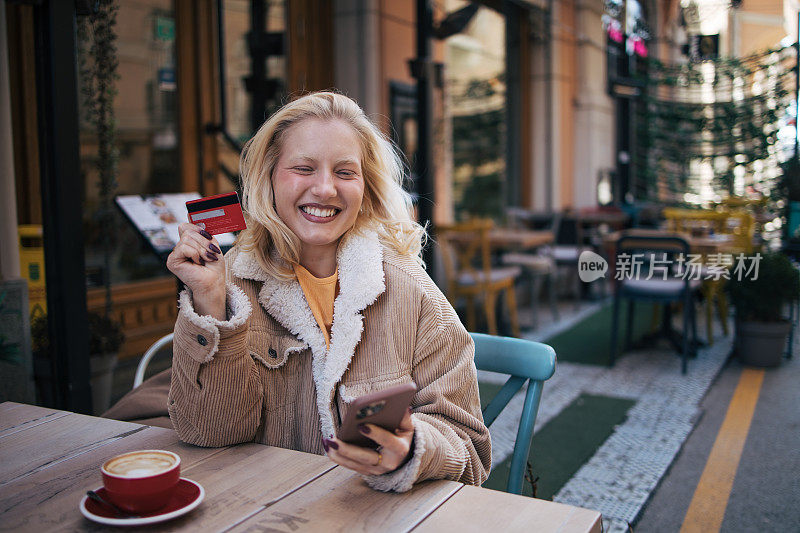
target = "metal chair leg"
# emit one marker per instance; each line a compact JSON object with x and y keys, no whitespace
{"x":536,"y":285}
{"x":629,"y":330}
{"x":614,"y":333}
{"x":577,"y":288}
{"x":687,"y":309}
{"x":551,"y":286}
{"x":722,"y":310}
{"x":793,"y":308}
{"x":708,"y":294}
{"x":695,"y":342}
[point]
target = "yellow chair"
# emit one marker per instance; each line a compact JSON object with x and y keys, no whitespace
{"x":466,"y":254}
{"x":737,"y":223}
{"x":704,"y":222}
{"x":741,"y":224}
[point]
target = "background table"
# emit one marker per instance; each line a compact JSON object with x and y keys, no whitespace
{"x":511,"y":238}
{"x":49,"y":459}
{"x":697,"y":245}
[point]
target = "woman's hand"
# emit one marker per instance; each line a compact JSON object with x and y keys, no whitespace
{"x":395,"y":449}
{"x":197,"y":261}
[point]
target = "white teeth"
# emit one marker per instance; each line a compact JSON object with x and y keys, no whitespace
{"x":318,"y":212}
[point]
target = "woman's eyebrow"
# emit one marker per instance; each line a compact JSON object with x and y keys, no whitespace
{"x":300,"y":158}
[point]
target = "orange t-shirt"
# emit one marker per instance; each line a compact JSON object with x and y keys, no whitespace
{"x":320,"y":294}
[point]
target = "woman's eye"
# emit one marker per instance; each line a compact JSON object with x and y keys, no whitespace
{"x":303,"y":169}
{"x":346,"y":173}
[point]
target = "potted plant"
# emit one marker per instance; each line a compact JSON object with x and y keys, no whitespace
{"x":761,"y":329}
{"x":788,"y":192}
{"x":105,"y":339}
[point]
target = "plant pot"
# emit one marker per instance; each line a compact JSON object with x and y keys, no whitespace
{"x":102,"y":377}
{"x":794,"y":218}
{"x":761,"y":343}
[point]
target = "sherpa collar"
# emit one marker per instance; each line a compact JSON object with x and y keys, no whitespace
{"x":361,"y":281}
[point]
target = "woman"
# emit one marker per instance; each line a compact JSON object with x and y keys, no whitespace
{"x":325,"y":300}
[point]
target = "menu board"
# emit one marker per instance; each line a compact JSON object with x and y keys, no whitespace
{"x":157,"y":217}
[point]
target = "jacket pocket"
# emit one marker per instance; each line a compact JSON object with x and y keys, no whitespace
{"x":272,"y":349}
{"x":281,"y":355}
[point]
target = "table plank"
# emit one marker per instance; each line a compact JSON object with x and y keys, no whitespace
{"x":59,"y":488}
{"x":241,"y":480}
{"x":19,"y":416}
{"x":341,"y":501}
{"x":25,"y":452}
{"x":476,"y":509}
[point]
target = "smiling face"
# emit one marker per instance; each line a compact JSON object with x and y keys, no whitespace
{"x":318,"y":184}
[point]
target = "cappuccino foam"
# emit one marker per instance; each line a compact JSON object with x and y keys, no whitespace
{"x":140,"y":464}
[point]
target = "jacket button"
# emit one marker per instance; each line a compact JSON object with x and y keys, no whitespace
{"x":273,"y":353}
{"x":202,"y":340}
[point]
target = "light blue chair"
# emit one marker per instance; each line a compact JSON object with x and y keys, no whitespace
{"x":523,"y":360}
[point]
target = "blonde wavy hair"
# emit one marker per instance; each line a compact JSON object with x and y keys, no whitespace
{"x":386,"y":207}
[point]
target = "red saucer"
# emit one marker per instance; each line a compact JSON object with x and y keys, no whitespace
{"x":188,"y":495}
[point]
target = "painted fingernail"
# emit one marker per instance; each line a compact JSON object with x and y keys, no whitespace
{"x":205,"y":234}
{"x":363,"y":428}
{"x":325,"y":444}
{"x":213,"y":248}
{"x":333,"y":445}
{"x":211,"y":256}
{"x":202,"y":262}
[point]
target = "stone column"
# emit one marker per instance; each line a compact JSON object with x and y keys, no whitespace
{"x":9,"y":248}
{"x":594,"y":109}
{"x":357,"y":52}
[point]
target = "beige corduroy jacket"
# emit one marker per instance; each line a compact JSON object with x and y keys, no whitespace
{"x":265,"y":374}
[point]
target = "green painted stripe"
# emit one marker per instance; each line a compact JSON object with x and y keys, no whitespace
{"x":565,"y":443}
{"x":594,"y":331}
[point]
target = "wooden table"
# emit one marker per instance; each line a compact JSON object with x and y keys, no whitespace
{"x":594,"y":218}
{"x":511,"y":238}
{"x":49,"y":459}
{"x":697,"y":244}
{"x":522,"y":239}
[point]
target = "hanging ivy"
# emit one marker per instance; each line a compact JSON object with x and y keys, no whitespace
{"x":724,"y":113}
{"x":97,"y":57}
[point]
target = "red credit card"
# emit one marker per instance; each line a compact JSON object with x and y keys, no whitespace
{"x":217,"y":214}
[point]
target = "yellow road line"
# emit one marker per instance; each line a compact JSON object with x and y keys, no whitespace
{"x":710,"y":499}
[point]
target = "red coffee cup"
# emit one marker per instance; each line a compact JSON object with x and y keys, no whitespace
{"x":141,"y":481}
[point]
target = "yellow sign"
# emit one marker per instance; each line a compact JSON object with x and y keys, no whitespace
{"x":31,"y":262}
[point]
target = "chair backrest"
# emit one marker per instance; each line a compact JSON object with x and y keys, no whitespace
{"x":569,"y":229}
{"x":693,"y":220}
{"x":524,"y":361}
{"x":644,"y":247}
{"x":148,"y":355}
{"x":465,"y":249}
{"x":519,"y":217}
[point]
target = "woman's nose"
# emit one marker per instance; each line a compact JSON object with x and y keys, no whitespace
{"x":325,"y":185}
